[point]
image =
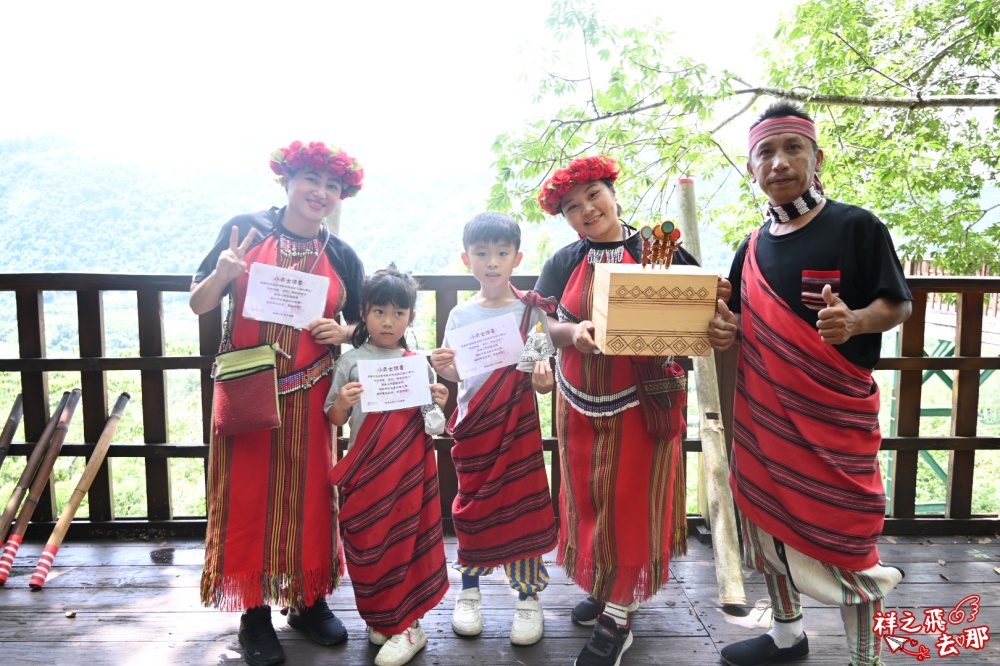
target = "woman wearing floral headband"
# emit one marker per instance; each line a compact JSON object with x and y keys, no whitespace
{"x":271,"y":536}
{"x":620,"y":524}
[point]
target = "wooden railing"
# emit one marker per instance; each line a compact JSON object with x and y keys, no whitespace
{"x":156,"y":449}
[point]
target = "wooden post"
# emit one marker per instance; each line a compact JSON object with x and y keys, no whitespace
{"x":721,"y":511}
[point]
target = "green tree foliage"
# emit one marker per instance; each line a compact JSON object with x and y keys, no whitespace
{"x":905,"y":95}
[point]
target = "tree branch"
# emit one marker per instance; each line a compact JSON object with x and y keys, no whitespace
{"x":919,"y":102}
{"x":868,"y":63}
{"x":870,"y":101}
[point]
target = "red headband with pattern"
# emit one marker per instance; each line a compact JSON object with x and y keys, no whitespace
{"x":784,"y":125}
{"x":577,"y":172}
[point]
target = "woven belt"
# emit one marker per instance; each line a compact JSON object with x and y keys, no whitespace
{"x":307,"y":376}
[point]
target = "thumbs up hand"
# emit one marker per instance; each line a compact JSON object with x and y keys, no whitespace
{"x":722,"y":327}
{"x":837,"y":322}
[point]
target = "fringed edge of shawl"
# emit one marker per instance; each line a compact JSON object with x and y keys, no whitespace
{"x":619,"y":585}
{"x":238,"y":593}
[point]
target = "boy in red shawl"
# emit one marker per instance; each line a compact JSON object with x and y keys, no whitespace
{"x":503,"y":511}
{"x":813,"y":290}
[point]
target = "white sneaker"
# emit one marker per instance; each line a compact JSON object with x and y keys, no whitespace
{"x":529,"y":624}
{"x":376,"y":637}
{"x":401,"y":648}
{"x":467,"y":620}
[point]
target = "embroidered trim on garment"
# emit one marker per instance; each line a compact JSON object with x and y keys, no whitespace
{"x":596,"y":405}
{"x":566,"y":315}
{"x":307,"y":376}
{"x":798,"y":208}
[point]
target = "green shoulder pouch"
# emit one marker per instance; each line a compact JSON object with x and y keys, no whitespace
{"x":246,"y":390}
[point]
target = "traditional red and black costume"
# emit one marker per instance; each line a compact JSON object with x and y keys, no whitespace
{"x":271,"y":537}
{"x":805,"y":471}
{"x":622,"y":507}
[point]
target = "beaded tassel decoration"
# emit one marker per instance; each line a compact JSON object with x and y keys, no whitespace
{"x":294,"y":248}
{"x":606,"y":256}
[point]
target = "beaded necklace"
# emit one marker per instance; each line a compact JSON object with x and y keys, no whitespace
{"x":613,"y":255}
{"x":805,"y":203}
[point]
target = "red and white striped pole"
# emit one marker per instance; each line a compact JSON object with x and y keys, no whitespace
{"x":37,"y":485}
{"x":8,"y":555}
{"x":86,"y":479}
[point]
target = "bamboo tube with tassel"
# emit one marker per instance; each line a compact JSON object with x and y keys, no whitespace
{"x":37,"y":486}
{"x":66,"y":518}
{"x":722,"y":513}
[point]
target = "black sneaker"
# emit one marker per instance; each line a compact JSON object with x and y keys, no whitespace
{"x":259,"y":641}
{"x":587,"y":611}
{"x":762,"y":650}
{"x":319,"y":623}
{"x":607,"y":644}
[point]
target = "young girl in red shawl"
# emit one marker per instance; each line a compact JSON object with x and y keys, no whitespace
{"x":391,"y":516}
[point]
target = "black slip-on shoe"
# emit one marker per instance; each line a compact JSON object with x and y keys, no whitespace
{"x":587,"y":611}
{"x":319,"y":623}
{"x":762,"y":650}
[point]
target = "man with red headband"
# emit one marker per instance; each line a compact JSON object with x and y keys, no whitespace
{"x":813,"y":290}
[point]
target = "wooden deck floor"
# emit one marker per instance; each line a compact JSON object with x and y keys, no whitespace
{"x":136,"y":602}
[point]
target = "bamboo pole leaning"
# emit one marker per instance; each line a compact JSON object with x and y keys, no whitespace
{"x":37,"y":486}
{"x":722,"y":513}
{"x":14,"y":420}
{"x":66,"y":518}
{"x":29,"y":469}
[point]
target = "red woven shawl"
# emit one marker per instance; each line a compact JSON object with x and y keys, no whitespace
{"x":503,"y":510}
{"x":391,"y":520}
{"x":806,"y":434}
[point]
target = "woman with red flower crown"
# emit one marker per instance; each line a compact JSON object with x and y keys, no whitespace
{"x":622,"y":508}
{"x":272,"y":537}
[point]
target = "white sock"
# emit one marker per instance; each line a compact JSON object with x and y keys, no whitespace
{"x":786,"y":634}
{"x":618,"y":613}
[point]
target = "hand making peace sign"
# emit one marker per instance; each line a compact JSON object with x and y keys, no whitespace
{"x":231,"y":264}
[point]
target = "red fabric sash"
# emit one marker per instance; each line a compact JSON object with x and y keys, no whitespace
{"x":806,"y":434}
{"x":391,"y":520}
{"x":503,"y":510}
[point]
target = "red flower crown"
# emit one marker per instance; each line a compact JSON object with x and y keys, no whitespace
{"x":579,"y":171}
{"x":286,"y":161}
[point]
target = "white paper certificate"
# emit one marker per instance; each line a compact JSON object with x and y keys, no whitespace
{"x":284,"y":296}
{"x":486,"y":345}
{"x":394,"y":383}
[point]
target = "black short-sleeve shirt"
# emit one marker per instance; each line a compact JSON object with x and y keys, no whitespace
{"x":841,"y":237}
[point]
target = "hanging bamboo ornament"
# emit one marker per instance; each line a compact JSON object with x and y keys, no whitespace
{"x":66,"y":518}
{"x":37,"y":486}
{"x":29,"y":469}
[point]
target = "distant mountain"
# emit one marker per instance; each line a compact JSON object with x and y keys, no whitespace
{"x":62,"y":209}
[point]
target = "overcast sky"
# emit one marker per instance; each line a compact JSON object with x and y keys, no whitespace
{"x":394,"y":83}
